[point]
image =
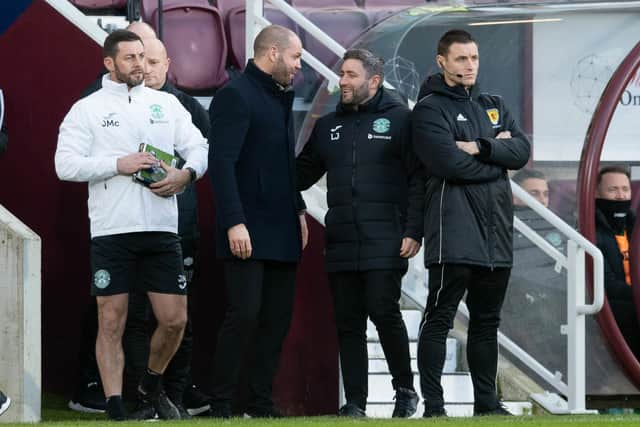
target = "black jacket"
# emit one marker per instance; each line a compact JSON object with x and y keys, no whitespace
{"x":615,"y":284}
{"x":374,"y":185}
{"x":188,"y":228}
{"x":468,"y":202}
{"x":252,"y":166}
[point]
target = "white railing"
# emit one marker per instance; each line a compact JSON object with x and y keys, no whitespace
{"x":255,"y":21}
{"x":577,"y":309}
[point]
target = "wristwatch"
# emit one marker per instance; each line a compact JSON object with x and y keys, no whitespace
{"x":193,"y":173}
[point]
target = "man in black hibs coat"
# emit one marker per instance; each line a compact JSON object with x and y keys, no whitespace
{"x":467,"y":141}
{"x":258,"y":229}
{"x":374,"y":224}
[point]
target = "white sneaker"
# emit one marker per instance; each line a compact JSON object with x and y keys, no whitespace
{"x":4,"y":403}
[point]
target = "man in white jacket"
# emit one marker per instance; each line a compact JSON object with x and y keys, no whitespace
{"x":134,"y":241}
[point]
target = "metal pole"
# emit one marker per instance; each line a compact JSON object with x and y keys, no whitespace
{"x":576,"y":346}
{"x":253,"y":10}
{"x":160,"y":19}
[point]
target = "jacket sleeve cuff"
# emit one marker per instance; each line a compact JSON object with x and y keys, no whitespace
{"x":233,"y":219}
{"x":415,"y":234}
{"x":301,"y":206}
{"x":484,"y":145}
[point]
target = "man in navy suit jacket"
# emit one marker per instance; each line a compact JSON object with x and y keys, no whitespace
{"x":260,"y":223}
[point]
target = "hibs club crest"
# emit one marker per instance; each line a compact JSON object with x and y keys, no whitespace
{"x":381,"y":125}
{"x":156,"y":112}
{"x":101,"y":279}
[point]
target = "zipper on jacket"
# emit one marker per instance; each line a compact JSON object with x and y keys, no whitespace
{"x":444,"y":182}
{"x":354,"y":203}
{"x":129,"y":99}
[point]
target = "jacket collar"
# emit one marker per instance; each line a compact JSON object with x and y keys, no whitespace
{"x":169,"y":88}
{"x":436,"y":84}
{"x":266,"y":80}
{"x":383,"y":100}
{"x":120,"y":88}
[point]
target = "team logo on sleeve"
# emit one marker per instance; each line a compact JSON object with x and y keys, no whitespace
{"x":334,"y":134}
{"x":494,"y":115}
{"x":381,"y":125}
{"x":182,"y":281}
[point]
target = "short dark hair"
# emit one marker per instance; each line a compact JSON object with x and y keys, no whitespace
{"x":524,"y":174}
{"x":451,"y":37}
{"x":110,"y":48}
{"x":373,"y":65}
{"x":613,"y":169}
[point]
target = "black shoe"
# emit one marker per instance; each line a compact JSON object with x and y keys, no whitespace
{"x":184,"y":414}
{"x":4,"y":403}
{"x":406,"y":403}
{"x":500,"y":410}
{"x":144,"y":411}
{"x":218,"y":410}
{"x":89,"y":398}
{"x":351,"y":410}
{"x":195,"y":401}
{"x":270,"y":412}
{"x":434,"y":412}
{"x":164,"y":407}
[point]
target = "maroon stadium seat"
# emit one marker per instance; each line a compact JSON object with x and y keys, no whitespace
{"x":148,"y":7}
{"x":315,"y":4}
{"x":224,"y":6}
{"x":100,"y":4}
{"x":195,"y":41}
{"x":235,"y":27}
{"x":343,"y":25}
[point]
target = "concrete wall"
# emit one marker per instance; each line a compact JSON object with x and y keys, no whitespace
{"x":20,"y":266}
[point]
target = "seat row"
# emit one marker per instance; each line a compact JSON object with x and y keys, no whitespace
{"x":206,"y":39}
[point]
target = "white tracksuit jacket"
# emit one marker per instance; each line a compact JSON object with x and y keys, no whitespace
{"x":111,"y":123}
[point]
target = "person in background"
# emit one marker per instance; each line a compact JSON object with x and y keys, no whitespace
{"x":535,"y":305}
{"x":614,"y":224}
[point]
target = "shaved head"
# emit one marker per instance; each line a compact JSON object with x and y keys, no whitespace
{"x":272,"y":36}
{"x":156,"y":63}
{"x":155,"y":48}
{"x":145,"y":31}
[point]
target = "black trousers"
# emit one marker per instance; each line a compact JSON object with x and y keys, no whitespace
{"x":374,"y":294}
{"x":260,"y":297}
{"x":485,"y":289}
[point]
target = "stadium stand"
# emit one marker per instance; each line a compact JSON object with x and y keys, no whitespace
{"x":193,"y":32}
{"x":100,"y":4}
{"x":315,"y":4}
{"x":235,"y":30}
